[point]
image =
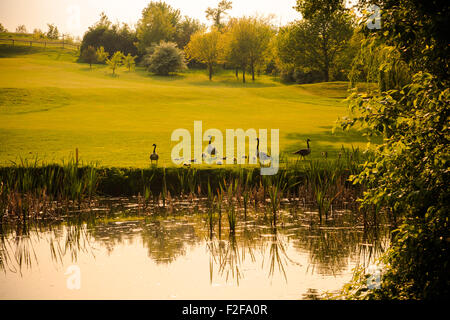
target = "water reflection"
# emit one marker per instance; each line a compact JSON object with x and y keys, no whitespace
{"x":297,"y":257}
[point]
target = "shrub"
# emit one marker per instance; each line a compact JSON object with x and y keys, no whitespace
{"x":165,"y":58}
{"x":115,"y":61}
{"x":129,"y":61}
{"x":89,"y":55}
{"x":101,"y":55}
{"x":301,"y":75}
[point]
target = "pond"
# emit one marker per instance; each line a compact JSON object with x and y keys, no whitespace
{"x":125,"y":255}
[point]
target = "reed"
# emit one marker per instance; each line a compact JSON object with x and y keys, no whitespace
{"x":30,"y":187}
{"x":228,"y":189}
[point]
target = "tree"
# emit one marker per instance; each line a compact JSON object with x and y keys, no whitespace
{"x":113,"y":37}
{"x":238,"y":39}
{"x":52,"y":32}
{"x":128,"y":61}
{"x":376,"y":62}
{"x":158,"y":23}
{"x":318,"y":39}
{"x":101,"y":55}
{"x":115,"y":61}
{"x":103,"y":22}
{"x":89,"y":55}
{"x":185,"y":29}
{"x":261,"y":32}
{"x":21,"y":29}
{"x":206,"y":47}
{"x":165,"y":58}
{"x":3,"y":29}
{"x":38,"y":34}
{"x":409,"y":174}
{"x":215,"y":14}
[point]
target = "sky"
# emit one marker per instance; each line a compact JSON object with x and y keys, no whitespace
{"x":75,"y":16}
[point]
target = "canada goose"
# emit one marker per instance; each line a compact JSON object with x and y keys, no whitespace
{"x":154,"y":156}
{"x":304,"y":152}
{"x":262,"y":156}
{"x":325,"y":154}
{"x":211,"y":149}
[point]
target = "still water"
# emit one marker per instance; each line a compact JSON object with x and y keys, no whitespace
{"x":129,"y":256}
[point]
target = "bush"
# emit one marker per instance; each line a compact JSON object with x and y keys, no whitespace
{"x":164,"y":59}
{"x":409,"y":176}
{"x":89,"y":55}
{"x":287,"y":75}
{"x":115,"y":61}
{"x":301,"y":75}
{"x":101,"y":55}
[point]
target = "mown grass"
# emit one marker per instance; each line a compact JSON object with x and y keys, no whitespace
{"x":50,"y":105}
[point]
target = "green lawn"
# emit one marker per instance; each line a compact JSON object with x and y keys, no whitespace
{"x":50,"y":105}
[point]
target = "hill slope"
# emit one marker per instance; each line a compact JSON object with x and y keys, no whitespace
{"x":50,"y":105}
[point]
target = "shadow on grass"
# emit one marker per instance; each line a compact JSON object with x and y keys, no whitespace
{"x":86,"y":69}
{"x":233,"y":83}
{"x":56,"y":53}
{"x":9,"y":51}
{"x":170,"y":77}
{"x":328,"y":141}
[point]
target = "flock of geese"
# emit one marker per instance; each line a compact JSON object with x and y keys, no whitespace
{"x":211,"y":151}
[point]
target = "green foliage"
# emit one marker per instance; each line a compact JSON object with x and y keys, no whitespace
{"x":38,"y":34}
{"x":237,"y":38}
{"x":158,"y":23}
{"x":115,"y":61}
{"x":166,"y":58}
{"x":215,"y":14}
{"x":206,"y":47}
{"x":21,"y":29}
{"x":318,"y":40}
{"x":52,"y":32}
{"x":419,"y":30}
{"x":101,"y":55}
{"x":313,"y":8}
{"x":3,"y":29}
{"x":247,"y":43}
{"x":112,"y":37}
{"x":185,"y":29}
{"x":89,"y":55}
{"x":128,"y":61}
{"x":410,"y":177}
{"x":376,"y":62}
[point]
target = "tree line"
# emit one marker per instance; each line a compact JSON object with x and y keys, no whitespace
{"x":52,"y":33}
{"x":319,"y":47}
{"x":325,"y":45}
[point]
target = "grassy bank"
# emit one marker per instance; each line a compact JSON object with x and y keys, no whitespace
{"x":32,"y":189}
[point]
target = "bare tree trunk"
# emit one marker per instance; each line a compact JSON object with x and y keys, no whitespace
{"x":243,"y":75}
{"x":210,"y":72}
{"x":237,"y":73}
